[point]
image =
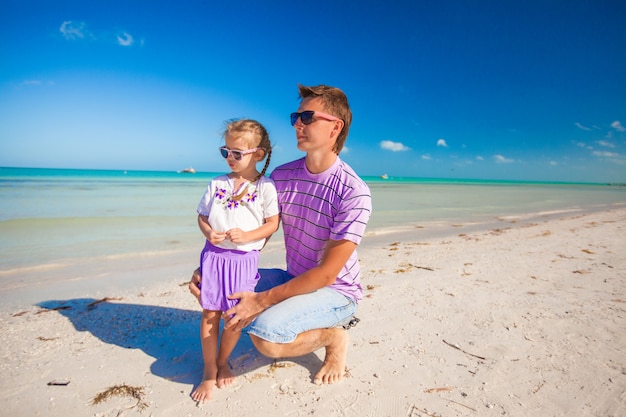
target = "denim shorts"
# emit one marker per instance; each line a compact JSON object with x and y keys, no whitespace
{"x":281,"y":323}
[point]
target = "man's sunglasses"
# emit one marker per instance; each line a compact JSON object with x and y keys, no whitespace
{"x":307,"y":117}
{"x":237,"y":155}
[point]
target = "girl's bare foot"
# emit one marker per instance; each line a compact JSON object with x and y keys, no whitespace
{"x":225,"y":377}
{"x":203,"y":392}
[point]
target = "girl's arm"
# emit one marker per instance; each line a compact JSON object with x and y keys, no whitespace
{"x":262,"y":232}
{"x":211,"y":235}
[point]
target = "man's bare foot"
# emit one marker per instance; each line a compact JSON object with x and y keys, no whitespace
{"x":225,"y":377}
{"x":334,"y":366}
{"x":204,"y":390}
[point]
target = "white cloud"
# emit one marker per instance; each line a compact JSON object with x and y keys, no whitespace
{"x":393,"y":146}
{"x":74,"y":30}
{"x":426,"y":157}
{"x":553,"y":163}
{"x":34,"y":84}
{"x":578,"y":125}
{"x":502,"y":160}
{"x":583,"y":145}
{"x":606,"y":154}
{"x":605,"y":143}
{"x":442,"y":142}
{"x":617,"y":125}
{"x":345,"y":150}
{"x":480,"y":158}
{"x":125,"y":39}
{"x":31,"y":82}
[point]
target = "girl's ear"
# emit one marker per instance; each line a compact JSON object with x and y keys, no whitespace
{"x":259,"y":155}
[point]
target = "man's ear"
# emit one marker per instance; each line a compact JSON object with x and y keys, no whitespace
{"x":337,"y":128}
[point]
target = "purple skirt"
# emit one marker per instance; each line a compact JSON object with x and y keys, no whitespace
{"x":224,"y":272}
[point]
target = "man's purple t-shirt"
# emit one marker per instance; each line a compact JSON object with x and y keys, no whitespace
{"x":315,"y":208}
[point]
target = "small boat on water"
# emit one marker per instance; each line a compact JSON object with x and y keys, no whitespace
{"x":189,"y":170}
{"x":384,"y":176}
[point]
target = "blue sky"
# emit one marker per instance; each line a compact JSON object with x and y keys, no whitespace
{"x":519,"y":90}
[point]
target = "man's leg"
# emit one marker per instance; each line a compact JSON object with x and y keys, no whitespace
{"x":303,"y":324}
{"x":334,"y":340}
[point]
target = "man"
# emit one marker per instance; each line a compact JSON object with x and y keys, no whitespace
{"x":324,"y":208}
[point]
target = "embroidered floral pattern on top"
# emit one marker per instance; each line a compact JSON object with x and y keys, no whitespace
{"x":220,"y":193}
{"x":251,"y":198}
{"x":230,"y":202}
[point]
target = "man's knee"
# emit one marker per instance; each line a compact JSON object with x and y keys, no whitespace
{"x":269,"y":349}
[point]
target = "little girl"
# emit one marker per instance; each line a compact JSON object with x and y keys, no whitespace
{"x":237,"y":214}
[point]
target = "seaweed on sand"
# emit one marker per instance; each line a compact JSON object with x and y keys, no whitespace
{"x":122,"y":390}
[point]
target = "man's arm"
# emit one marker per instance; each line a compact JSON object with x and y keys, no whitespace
{"x":252,"y":304}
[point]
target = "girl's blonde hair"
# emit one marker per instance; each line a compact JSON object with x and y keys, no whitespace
{"x":259,"y":138}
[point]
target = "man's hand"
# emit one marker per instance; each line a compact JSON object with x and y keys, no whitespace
{"x":194,"y":284}
{"x":245,"y":311}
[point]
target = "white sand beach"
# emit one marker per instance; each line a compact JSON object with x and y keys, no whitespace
{"x":526,"y":319}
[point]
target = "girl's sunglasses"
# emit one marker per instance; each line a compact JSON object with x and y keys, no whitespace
{"x":307,"y":117}
{"x":237,"y":155}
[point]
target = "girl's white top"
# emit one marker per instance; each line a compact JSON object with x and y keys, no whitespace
{"x":258,"y":203}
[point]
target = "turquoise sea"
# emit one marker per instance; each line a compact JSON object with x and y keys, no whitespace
{"x":55,"y":222}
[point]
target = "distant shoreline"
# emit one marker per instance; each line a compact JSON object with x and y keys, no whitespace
{"x":203,"y":175}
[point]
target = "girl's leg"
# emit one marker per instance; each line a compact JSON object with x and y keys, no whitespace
{"x":209,"y":332}
{"x":227,"y":344}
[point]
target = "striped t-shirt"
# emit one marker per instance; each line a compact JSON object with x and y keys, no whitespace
{"x":315,"y":208}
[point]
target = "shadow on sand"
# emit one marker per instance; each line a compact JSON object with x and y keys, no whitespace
{"x":169,"y":335}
